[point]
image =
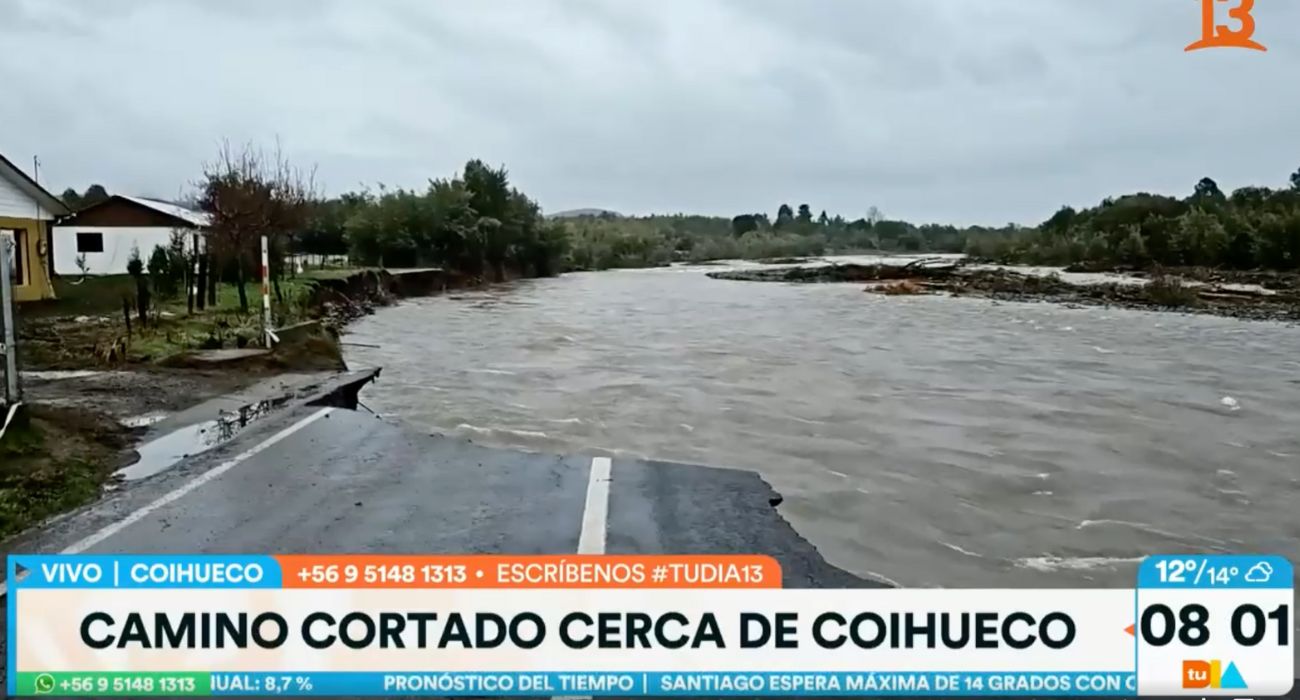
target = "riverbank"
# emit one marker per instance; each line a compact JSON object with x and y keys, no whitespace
{"x":1264,"y":296}
{"x":93,"y":388}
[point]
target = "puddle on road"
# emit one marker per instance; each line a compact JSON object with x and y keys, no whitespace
{"x":163,"y":453}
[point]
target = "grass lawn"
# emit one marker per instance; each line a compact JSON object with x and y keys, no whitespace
{"x":85,"y":325}
{"x":103,"y":295}
{"x":52,"y":460}
{"x":91,"y":296}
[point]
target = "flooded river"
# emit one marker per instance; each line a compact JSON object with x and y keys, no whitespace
{"x":927,"y":441}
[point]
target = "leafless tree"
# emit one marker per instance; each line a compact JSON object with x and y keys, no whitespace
{"x":249,"y":195}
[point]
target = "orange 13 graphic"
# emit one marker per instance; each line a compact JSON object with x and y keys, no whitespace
{"x":1221,"y":35}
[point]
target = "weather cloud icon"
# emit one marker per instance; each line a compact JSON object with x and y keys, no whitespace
{"x":1259,"y":573}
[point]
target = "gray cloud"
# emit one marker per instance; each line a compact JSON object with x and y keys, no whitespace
{"x":933,"y":110}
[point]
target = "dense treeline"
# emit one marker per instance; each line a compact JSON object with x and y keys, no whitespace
{"x":1254,"y":227}
{"x":477,"y":223}
{"x":474,"y":223}
{"x":77,"y":201}
{"x":607,"y":241}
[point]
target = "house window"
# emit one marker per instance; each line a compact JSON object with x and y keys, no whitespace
{"x":90,"y":242}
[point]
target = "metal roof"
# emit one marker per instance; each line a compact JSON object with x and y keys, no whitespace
{"x":197,"y":218}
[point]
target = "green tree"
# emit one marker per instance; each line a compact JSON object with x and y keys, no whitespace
{"x":94,"y":195}
{"x":71,"y":199}
{"x":135,"y":268}
{"x":805,"y":214}
{"x":1207,"y":192}
{"x":1242,"y":251}
{"x":1201,"y":238}
{"x":165,"y":273}
{"x":784,"y":217}
{"x":1097,"y":248}
{"x":1060,"y":221}
{"x":742,"y":224}
{"x":1279,"y":240}
{"x":1132,"y":250}
{"x":1250,"y":197}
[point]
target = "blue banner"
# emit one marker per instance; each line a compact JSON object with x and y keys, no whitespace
{"x":1222,"y":571}
{"x":143,"y":571}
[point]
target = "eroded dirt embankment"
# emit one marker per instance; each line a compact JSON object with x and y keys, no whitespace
{"x":85,"y":407}
{"x":1272,"y":296}
{"x":338,"y":301}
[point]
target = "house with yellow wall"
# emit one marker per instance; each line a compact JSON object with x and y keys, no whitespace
{"x":27,"y":212}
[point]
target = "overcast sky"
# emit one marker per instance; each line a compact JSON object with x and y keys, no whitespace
{"x":977,"y":111}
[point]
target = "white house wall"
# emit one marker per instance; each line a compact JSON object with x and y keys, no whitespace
{"x":16,"y":203}
{"x":118,"y":244}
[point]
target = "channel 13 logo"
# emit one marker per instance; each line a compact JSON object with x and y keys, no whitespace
{"x":1212,"y":674}
{"x":1215,"y":35}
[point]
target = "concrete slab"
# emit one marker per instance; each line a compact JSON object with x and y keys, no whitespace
{"x":283,"y":387}
{"x":335,"y":480}
{"x":351,"y":482}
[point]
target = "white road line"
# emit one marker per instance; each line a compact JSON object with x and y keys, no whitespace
{"x":112,"y":529}
{"x":592,"y":539}
{"x":594,"y":517}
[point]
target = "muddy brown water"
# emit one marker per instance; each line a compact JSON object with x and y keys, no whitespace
{"x":927,"y":441}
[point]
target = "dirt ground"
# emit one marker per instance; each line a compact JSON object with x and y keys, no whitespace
{"x":126,"y":394}
{"x":53,"y":459}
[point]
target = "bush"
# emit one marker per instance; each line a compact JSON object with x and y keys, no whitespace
{"x":135,"y":266}
{"x":1168,"y":290}
{"x":166,"y":272}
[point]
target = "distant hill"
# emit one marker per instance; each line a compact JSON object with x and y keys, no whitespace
{"x":576,"y":213}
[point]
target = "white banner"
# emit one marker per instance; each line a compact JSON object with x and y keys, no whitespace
{"x":271,"y":630}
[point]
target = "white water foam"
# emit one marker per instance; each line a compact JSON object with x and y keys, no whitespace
{"x":1051,"y":563}
{"x":466,"y":427}
{"x":959,"y":550}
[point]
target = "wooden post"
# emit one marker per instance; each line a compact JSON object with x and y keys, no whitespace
{"x":193,"y":290}
{"x":9,"y":341}
{"x":266,"y":291}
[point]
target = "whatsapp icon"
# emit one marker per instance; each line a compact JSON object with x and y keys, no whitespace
{"x":45,"y":683}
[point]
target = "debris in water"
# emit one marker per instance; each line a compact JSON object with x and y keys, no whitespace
{"x":1230,"y":403}
{"x":897,"y":288}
